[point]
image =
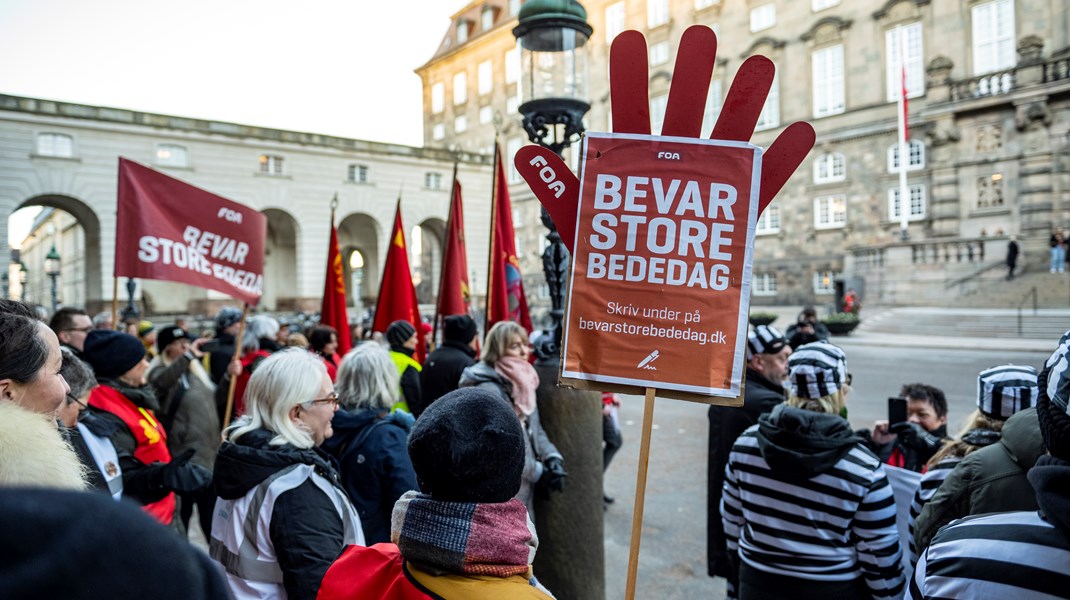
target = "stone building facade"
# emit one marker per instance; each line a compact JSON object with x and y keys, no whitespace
{"x":989,"y":116}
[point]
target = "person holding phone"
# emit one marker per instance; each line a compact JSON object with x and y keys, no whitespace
{"x":910,"y":437}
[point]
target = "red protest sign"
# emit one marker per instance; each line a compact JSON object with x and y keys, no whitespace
{"x":661,"y":272}
{"x":167,"y":229}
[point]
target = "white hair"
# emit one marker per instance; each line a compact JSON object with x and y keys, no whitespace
{"x":281,"y":381}
{"x":368,"y":379}
{"x":260,"y":326}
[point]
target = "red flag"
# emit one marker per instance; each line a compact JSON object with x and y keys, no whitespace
{"x":505,"y":286}
{"x":397,"y":296}
{"x":454,"y":296}
{"x":170,"y":230}
{"x":333,"y":311}
{"x":906,"y":102}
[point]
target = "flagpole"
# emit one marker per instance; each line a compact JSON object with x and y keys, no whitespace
{"x":442,"y":268}
{"x":237,"y":356}
{"x":904,"y":158}
{"x":493,"y":223}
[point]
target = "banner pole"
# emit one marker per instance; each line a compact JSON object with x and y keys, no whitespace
{"x":237,"y":356}
{"x":493,"y":226}
{"x":640,"y":494}
{"x":115,"y":303}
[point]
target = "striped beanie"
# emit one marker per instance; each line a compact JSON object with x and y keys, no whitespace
{"x":817,"y":369}
{"x":1003,"y":391}
{"x":765,"y":339}
{"x":1053,"y":406}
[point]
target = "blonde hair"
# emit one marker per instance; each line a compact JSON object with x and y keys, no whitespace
{"x":961,"y":449}
{"x":833,"y":404}
{"x":282,"y":381}
{"x":297,"y":340}
{"x":368,"y":379}
{"x":498,"y":339}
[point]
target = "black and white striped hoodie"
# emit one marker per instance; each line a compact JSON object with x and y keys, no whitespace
{"x":804,"y":498}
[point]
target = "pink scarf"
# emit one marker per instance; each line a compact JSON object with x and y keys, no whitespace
{"x":524,"y":379}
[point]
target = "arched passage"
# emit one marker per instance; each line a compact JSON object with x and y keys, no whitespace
{"x":280,"y":261}
{"x":425,"y":249}
{"x":359,"y":233}
{"x":81,"y":278}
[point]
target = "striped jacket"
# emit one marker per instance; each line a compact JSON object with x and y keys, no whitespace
{"x":930,"y":482}
{"x":836,"y":524}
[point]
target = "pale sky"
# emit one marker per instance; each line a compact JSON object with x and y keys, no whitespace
{"x":336,"y":67}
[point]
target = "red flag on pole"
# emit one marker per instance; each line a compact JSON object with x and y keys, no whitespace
{"x":397,"y":296}
{"x":168,"y":229}
{"x":505,"y":286}
{"x":454,"y":296}
{"x":333,"y":311}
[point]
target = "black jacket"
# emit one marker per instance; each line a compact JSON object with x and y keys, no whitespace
{"x":760,"y":396}
{"x":372,"y":450}
{"x":105,"y":428}
{"x":221,"y":350}
{"x":442,"y":372}
{"x":141,"y":482}
{"x":305,"y":529}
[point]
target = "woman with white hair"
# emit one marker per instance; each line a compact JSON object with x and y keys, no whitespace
{"x":282,"y":516}
{"x":369,"y":440}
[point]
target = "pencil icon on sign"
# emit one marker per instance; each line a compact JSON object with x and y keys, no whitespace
{"x":649,"y":359}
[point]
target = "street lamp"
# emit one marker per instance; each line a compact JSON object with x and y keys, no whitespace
{"x":553,"y":36}
{"x":52,"y":265}
{"x":24,"y":275}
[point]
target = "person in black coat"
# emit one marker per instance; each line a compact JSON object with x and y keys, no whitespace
{"x":221,"y":348}
{"x":767,"y":367}
{"x":443,"y":368}
{"x":1013,"y":250}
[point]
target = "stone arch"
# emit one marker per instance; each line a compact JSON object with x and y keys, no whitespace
{"x":280,"y":261}
{"x":92,"y":276}
{"x":360,"y":232}
{"x":427,"y":267}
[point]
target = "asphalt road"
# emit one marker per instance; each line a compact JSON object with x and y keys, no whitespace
{"x":672,"y":562}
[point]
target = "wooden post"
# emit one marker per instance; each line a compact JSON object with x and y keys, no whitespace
{"x":115,"y":303}
{"x":640,"y":494}
{"x":237,"y":355}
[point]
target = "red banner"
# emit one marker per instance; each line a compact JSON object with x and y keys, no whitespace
{"x":170,"y":230}
{"x":505,"y":286}
{"x":455,"y":296}
{"x":333,"y":310}
{"x":397,"y":296}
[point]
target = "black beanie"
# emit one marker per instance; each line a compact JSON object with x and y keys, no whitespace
{"x":459,"y":328}
{"x":1052,"y":405}
{"x":169,"y":334}
{"x":399,"y":332}
{"x":468,"y":446}
{"x":112,"y":353}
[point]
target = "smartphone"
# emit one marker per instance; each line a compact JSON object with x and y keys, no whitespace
{"x":897,"y":410}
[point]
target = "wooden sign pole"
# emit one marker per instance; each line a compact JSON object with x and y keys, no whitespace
{"x":640,"y":494}
{"x":237,"y":356}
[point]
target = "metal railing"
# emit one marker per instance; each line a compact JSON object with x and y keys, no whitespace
{"x":1031,"y":293}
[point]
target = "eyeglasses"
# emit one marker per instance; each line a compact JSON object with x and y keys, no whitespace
{"x":72,"y":400}
{"x":330,"y":399}
{"x":81,"y":329}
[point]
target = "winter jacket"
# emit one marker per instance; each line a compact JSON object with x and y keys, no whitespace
{"x":91,"y":440}
{"x":221,"y":352}
{"x":409,"y":376}
{"x":805,"y":499}
{"x":442,"y":373}
{"x":187,"y":408}
{"x":909,"y":457}
{"x":760,"y":396}
{"x":992,"y":479}
{"x":538,"y":447}
{"x":34,"y":454}
{"x":1021,"y":555}
{"x":302,"y":525}
{"x":372,"y":451}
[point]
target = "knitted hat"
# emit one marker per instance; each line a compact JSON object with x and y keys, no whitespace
{"x":145,"y":327}
{"x":1003,"y":391}
{"x":170,"y":334}
{"x":1053,"y":404}
{"x":112,"y":353}
{"x":468,"y":446}
{"x":459,"y":328}
{"x":765,"y":339}
{"x":817,"y":369}
{"x":399,"y":332}
{"x":227,"y":316}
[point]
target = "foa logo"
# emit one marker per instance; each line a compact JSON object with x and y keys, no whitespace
{"x":646,"y":362}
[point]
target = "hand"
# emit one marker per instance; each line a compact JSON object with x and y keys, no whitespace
{"x":234,"y":368}
{"x":195,"y":347}
{"x":181,"y":476}
{"x":881,"y":435}
{"x":913,"y":435}
{"x":628,"y":81}
{"x":553,"y":477}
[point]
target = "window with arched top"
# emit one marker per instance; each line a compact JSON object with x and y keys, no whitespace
{"x":830,"y":167}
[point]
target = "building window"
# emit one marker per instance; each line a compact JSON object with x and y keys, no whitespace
{"x":438,"y":97}
{"x":657,"y":112}
{"x":544,"y":291}
{"x":827,"y":64}
{"x":511,"y":148}
{"x":55,"y":144}
{"x":909,"y":36}
{"x":829,"y":167}
{"x":659,"y":53}
{"x":830,"y":211}
{"x":460,"y":88}
{"x":462,"y":31}
{"x":657,"y":12}
{"x":917,"y":203}
{"x":485,"y":78}
{"x":358,"y":173}
{"x":770,"y":116}
{"x":763,"y":284}
{"x":518,"y":217}
{"x":990,"y":191}
{"x":514,"y":7}
{"x":460,"y":124}
{"x":700,"y":4}
{"x":916,"y":152}
{"x":512,"y":105}
{"x":614,"y":20}
{"x":512,"y":65}
{"x":271,"y":164}
{"x":486,"y":18}
{"x":433,"y":181}
{"x":438,"y":132}
{"x":486,"y":115}
{"x":172,"y":155}
{"x":817,"y":5}
{"x":762,"y":17}
{"x":769,"y":220}
{"x":993,"y":36}
{"x":825,"y":282}
{"x":713,"y":107}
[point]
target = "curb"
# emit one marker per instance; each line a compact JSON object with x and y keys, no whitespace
{"x":958,"y":343}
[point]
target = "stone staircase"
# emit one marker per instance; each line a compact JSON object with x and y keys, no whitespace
{"x":991,"y":289}
{"x":965,"y":322}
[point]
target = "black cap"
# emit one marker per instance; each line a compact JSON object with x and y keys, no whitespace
{"x":459,"y":328}
{"x":169,"y":334}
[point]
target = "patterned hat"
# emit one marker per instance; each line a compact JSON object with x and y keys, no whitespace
{"x":765,"y":339}
{"x":1053,"y":406}
{"x":817,"y":369}
{"x":1003,"y":391}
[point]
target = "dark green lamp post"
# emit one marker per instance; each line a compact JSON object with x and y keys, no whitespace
{"x":52,"y":269}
